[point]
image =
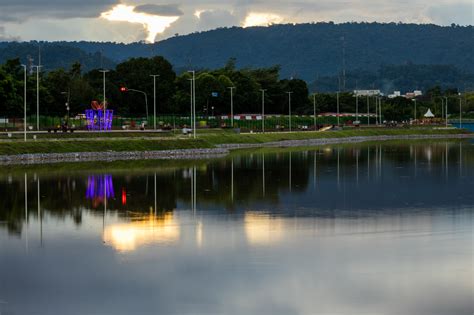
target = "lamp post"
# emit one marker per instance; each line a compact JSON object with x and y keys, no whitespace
{"x":146,"y":100}
{"x":446,"y":111}
{"x":314,"y":109}
{"x":414,"y":100}
{"x":357,"y":106}
{"x":38,"y":69}
{"x":154,"y":99}
{"x":263,"y":110}
{"x":193,"y":96}
{"x":460,"y":111}
{"x":289,"y":109}
{"x":368,"y":111}
{"x":24,"y":103}
{"x":104,"y":71}
{"x":232,"y":105}
{"x":337,"y":101}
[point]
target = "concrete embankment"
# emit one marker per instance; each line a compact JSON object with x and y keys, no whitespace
{"x":219,"y":151}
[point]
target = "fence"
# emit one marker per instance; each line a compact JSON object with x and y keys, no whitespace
{"x":177,"y":122}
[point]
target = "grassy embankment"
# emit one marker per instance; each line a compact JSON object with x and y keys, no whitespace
{"x":207,"y":139}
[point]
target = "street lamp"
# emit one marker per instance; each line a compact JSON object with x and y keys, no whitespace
{"x":38,"y":69}
{"x":24,"y":104}
{"x":232,"y":105}
{"x":146,"y":100}
{"x":460,"y":111}
{"x":368,"y":110}
{"x":357,"y":106}
{"x":314,"y":109}
{"x":289,"y":108}
{"x":337,"y":98}
{"x":446,"y":111}
{"x":154,"y":99}
{"x":104,"y":71}
{"x":414,"y":100}
{"x":263,"y":110}
{"x":193,"y":96}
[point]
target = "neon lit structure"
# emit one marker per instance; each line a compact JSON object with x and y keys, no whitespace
{"x":96,"y":121}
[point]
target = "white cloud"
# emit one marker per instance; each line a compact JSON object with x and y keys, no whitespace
{"x":190,"y":15}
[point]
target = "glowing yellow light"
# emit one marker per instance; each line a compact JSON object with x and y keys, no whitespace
{"x":154,"y":24}
{"x":263,"y":229}
{"x":153,"y":230}
{"x":261,"y":19}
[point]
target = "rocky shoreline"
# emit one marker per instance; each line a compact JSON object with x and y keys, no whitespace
{"x":187,"y":154}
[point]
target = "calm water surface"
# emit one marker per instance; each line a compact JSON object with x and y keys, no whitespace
{"x":371,"y":229}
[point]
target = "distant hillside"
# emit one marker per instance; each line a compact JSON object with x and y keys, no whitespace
{"x":306,"y":51}
{"x":53,"y":55}
{"x":309,"y":50}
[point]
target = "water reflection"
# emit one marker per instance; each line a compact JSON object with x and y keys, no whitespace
{"x":380,"y":229}
{"x":142,"y":230}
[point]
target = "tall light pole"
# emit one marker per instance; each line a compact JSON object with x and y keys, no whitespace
{"x":460,"y":111}
{"x":263,"y":109}
{"x":24,"y":103}
{"x":146,"y":100}
{"x":38,"y":69}
{"x":446,"y":111}
{"x":368,"y":111}
{"x":194,"y":101}
{"x":414,"y":100}
{"x":289,"y":108}
{"x":154,"y":99}
{"x":104,"y":71}
{"x":314,"y":109}
{"x":232,"y":105}
{"x":357,"y":106}
{"x":337,"y":101}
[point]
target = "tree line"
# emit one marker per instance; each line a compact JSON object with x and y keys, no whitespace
{"x":173,"y":92}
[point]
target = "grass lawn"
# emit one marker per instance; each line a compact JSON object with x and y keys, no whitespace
{"x":206,"y":139}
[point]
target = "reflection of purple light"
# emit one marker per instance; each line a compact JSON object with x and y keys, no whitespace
{"x":98,"y":185}
{"x":95,"y":119}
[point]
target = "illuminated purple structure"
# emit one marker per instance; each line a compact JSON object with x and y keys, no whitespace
{"x":99,"y":186}
{"x":96,"y":120}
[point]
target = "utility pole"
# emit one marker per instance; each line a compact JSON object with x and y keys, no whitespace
{"x":232,"y":105}
{"x":289,"y":108}
{"x":263,"y":110}
{"x":154,"y":99}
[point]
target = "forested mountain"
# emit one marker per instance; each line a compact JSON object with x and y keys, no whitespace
{"x":53,"y":55}
{"x":312,"y":52}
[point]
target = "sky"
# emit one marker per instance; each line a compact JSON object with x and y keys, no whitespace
{"x":155,"y":20}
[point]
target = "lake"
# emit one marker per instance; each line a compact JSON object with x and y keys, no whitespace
{"x":350,"y":229}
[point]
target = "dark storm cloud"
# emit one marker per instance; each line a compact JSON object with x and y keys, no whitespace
{"x":161,"y":10}
{"x":19,"y":10}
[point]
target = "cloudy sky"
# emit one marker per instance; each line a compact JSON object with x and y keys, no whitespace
{"x":134,"y":20}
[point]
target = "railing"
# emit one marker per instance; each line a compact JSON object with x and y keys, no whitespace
{"x":272,"y":122}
